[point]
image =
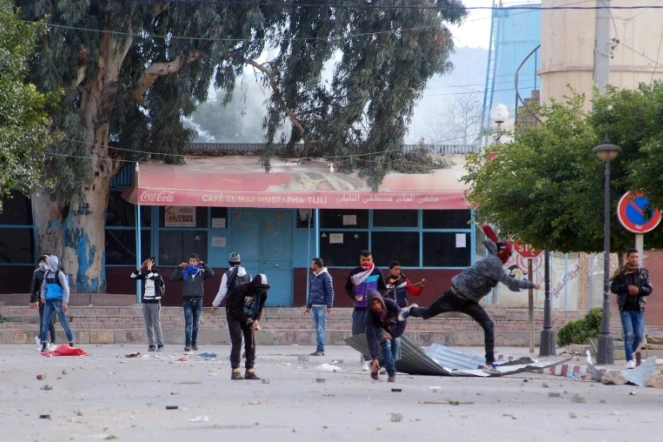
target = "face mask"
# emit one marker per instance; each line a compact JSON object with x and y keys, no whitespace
{"x":42,"y":267}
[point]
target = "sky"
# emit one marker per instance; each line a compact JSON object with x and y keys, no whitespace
{"x":475,"y":31}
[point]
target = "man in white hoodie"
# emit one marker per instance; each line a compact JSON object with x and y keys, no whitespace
{"x":320,"y":302}
{"x":55,"y":297}
{"x":235,"y":276}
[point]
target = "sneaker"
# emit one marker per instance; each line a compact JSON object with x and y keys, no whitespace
{"x":630,"y":365}
{"x":392,"y":377}
{"x":71,"y":344}
{"x":194,"y":347}
{"x":490,"y":369}
{"x":52,"y":346}
{"x":405,"y":312}
{"x":44,"y":347}
{"x":375,"y":376}
{"x":317,"y":353}
{"x":366,"y":366}
{"x":187,"y":348}
{"x":251,"y":375}
{"x":236,"y":376}
{"x":160,"y":348}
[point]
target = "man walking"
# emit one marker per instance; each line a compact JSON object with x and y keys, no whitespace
{"x":35,"y":297}
{"x":632,"y":286}
{"x":470,"y":286}
{"x":192,"y":276}
{"x":153,"y":289}
{"x":55,"y":297}
{"x":320,"y":301}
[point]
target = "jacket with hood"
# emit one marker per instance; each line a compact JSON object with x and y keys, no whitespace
{"x":37,"y":281}
{"x":619,"y":286}
{"x":194,"y":286}
{"x":374,"y":281}
{"x":151,"y":282}
{"x":234,"y":276}
{"x":321,"y":289}
{"x":246,"y":301}
{"x":390,"y":323}
{"x":56,"y":279}
{"x":398,"y":289}
{"x":477,"y":281}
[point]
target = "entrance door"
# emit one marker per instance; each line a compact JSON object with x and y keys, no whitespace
{"x":263,"y":237}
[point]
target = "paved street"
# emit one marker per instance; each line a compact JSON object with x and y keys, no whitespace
{"x":105,"y":396}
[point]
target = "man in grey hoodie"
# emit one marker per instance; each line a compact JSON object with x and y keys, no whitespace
{"x":469,"y":287}
{"x":55,"y":297}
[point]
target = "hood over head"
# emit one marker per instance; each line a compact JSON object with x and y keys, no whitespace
{"x":502,"y":249}
{"x":53,"y":262}
{"x":374,"y":294}
{"x":260,"y":282}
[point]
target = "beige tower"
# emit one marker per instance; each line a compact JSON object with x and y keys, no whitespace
{"x":567,"y":46}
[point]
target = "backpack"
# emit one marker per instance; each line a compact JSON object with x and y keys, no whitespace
{"x":161,"y":285}
{"x":234,"y":280}
{"x":54,"y":289}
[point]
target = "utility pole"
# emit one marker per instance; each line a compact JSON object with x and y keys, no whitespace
{"x":601,"y":73}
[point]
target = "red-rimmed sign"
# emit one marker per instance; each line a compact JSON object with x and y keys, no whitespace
{"x":631,"y":211}
{"x":525,"y":250}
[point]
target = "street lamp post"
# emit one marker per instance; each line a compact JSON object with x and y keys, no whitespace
{"x":499,"y":115}
{"x":606,"y":153}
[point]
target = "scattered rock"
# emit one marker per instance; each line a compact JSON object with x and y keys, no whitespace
{"x":511,"y":416}
{"x":112,"y":437}
{"x":294,"y":431}
{"x":554,"y":394}
{"x":266,"y":381}
{"x":632,"y":393}
{"x":41,"y":377}
{"x":572,"y":415}
{"x":577,"y":399}
{"x":603,"y":401}
{"x":79,"y":413}
{"x":64,"y":371}
{"x":320,"y":380}
{"x":254,"y":402}
{"x":613,"y":378}
{"x":615,"y":413}
{"x":47,"y":387}
{"x":396,"y":417}
{"x":303,"y":358}
{"x":173,"y":393}
{"x":544,"y":385}
{"x":525,"y":380}
{"x":655,"y":381}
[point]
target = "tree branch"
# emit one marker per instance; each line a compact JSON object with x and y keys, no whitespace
{"x":82,"y":59}
{"x":277,"y":94}
{"x":154,"y":71}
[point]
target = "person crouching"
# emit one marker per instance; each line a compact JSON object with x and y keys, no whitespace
{"x":243,"y":310}
{"x":383,"y":330}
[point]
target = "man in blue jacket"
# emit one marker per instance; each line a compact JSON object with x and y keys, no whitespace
{"x":320,"y":302}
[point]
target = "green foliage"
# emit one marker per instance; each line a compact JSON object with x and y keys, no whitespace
{"x":547,"y":187}
{"x":24,"y":123}
{"x":577,"y":332}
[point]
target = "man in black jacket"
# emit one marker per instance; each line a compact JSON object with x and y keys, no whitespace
{"x":243,"y":311}
{"x":383,"y":329}
{"x":632,"y":286}
{"x":153,"y":288}
{"x":192,"y":276}
{"x":35,"y":289}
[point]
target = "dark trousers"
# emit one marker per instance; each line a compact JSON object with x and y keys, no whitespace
{"x":51,"y":326}
{"x":238,"y":328}
{"x":450,"y":302}
{"x":192,"y":310}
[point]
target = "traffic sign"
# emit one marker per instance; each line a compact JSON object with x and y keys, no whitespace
{"x":525,"y":250}
{"x":632,"y":215}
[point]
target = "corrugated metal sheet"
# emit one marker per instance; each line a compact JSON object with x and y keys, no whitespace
{"x":125,"y":178}
{"x":448,"y":357}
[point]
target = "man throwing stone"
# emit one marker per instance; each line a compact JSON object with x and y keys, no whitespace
{"x":470,"y":286}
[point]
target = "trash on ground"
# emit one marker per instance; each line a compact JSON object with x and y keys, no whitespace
{"x":320,"y":380}
{"x":132,"y":355}
{"x":266,"y":381}
{"x":199,"y":419}
{"x":44,"y":416}
{"x":65,"y":350}
{"x":171,"y":407}
{"x":208,"y":355}
{"x":303,"y":358}
{"x":396,"y":417}
{"x":328,"y":368}
{"x":337,"y":361}
{"x":47,"y":387}
{"x":41,"y":377}
{"x":447,"y":402}
{"x":396,"y":390}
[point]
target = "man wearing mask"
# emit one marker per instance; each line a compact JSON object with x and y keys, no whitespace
{"x":55,"y":297}
{"x":35,"y":289}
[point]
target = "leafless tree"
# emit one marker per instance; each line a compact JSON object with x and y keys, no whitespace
{"x":457,"y":123}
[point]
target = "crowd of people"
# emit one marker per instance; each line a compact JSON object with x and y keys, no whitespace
{"x":381,"y":305}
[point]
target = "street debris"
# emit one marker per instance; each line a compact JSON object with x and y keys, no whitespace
{"x":396,"y":390}
{"x":447,"y":402}
{"x":199,"y":419}
{"x":511,"y":416}
{"x":171,"y":407}
{"x":577,"y":399}
{"x":47,"y":387}
{"x":554,"y":394}
{"x":132,"y":355}
{"x":208,"y":355}
{"x":572,"y":415}
{"x":41,"y":377}
{"x":337,"y":361}
{"x":396,"y":417}
{"x":303,"y":358}
{"x":320,"y":380}
{"x":328,"y":368}
{"x":266,"y":381}
{"x":255,"y":402}
{"x":613,"y":378}
{"x":44,"y":416}
{"x":435,"y":388}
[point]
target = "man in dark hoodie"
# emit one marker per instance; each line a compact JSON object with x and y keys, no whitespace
{"x":469,"y":287}
{"x":192,"y":276}
{"x":383,"y":330}
{"x":35,"y":289}
{"x":243,"y":311}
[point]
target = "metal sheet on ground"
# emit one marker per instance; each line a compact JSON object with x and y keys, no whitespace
{"x":439,"y":360}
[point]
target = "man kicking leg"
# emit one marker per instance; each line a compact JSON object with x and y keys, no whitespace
{"x":470,"y":286}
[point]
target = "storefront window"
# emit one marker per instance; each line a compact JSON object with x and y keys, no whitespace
{"x":175,"y":246}
{"x":121,"y":213}
{"x":447,"y":219}
{"x":399,"y":246}
{"x":121,"y":246}
{"x":342,"y":249}
{"x":305,"y":219}
{"x":16,"y":246}
{"x":343,"y":219}
{"x":395,"y":218}
{"x":444,"y":249}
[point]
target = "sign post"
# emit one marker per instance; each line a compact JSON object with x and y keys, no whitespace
{"x":631,"y":212}
{"x":529,"y":253}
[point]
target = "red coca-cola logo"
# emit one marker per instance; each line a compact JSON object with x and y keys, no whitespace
{"x":163,"y":196}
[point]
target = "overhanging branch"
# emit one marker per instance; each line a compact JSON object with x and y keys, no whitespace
{"x":156,"y":70}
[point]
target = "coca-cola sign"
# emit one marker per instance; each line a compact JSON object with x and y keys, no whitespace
{"x":157,"y":196}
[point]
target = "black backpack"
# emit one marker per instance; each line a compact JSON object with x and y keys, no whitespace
{"x":234,"y":280}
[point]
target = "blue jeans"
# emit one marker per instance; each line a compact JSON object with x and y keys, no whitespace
{"x":192,"y":309}
{"x":633,"y":323}
{"x":54,"y":306}
{"x":319,"y":316}
{"x":391,"y":351}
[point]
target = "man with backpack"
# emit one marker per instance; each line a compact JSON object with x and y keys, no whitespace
{"x":35,"y":295}
{"x":55,"y":297}
{"x":153,"y":289}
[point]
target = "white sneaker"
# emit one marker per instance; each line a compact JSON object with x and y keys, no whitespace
{"x":404,"y":313}
{"x":366,"y":366}
{"x":630,"y":365}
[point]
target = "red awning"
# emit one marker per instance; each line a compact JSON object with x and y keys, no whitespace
{"x":239,"y":181}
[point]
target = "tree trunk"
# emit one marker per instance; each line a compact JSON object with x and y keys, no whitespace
{"x":48,"y":220}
